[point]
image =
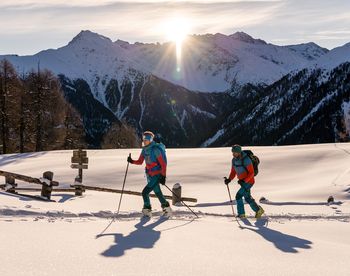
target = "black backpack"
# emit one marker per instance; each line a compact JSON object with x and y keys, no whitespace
{"x":255,"y":160}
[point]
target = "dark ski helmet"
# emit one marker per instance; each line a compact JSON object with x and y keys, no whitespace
{"x":236,"y":148}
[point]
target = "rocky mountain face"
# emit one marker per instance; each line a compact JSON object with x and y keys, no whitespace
{"x":181,"y":117}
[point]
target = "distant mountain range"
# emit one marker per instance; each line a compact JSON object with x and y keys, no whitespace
{"x":229,"y":88}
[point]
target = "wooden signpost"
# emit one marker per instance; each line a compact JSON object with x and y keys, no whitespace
{"x":79,"y":161}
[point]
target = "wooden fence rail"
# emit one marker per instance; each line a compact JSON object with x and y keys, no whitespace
{"x":108,"y":190}
{"x":46,"y":182}
{"x":27,"y":178}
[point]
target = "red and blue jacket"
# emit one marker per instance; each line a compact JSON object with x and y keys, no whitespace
{"x":243,"y":168}
{"x":155,"y":163}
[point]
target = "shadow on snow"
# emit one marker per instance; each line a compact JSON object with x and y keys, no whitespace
{"x":214,"y":204}
{"x":284,"y":242}
{"x":301,"y":203}
{"x":143,"y":237}
{"x":19,"y":157}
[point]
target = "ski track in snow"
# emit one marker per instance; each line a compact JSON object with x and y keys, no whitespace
{"x":182,"y":215}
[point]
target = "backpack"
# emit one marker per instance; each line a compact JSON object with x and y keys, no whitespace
{"x":161,"y":148}
{"x":255,"y":161}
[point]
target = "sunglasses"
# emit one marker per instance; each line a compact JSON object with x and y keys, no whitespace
{"x":147,"y":138}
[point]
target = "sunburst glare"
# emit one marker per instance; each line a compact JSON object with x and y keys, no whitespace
{"x":176,"y":30}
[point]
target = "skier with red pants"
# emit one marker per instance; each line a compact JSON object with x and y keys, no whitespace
{"x":242,"y":167}
{"x":154,"y":156}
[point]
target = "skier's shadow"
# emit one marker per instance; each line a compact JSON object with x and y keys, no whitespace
{"x":284,"y":242}
{"x":143,"y":237}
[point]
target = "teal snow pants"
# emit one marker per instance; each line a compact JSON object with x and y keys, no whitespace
{"x":153,"y":185}
{"x":244,"y":191}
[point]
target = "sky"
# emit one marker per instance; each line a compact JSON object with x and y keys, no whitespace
{"x":29,"y":26}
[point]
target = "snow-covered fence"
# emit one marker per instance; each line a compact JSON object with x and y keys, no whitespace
{"x":46,"y":181}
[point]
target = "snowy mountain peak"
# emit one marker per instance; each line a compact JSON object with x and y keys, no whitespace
{"x":242,"y":36}
{"x":88,"y":37}
{"x":122,"y":43}
{"x":334,"y":57}
{"x":310,"y":51}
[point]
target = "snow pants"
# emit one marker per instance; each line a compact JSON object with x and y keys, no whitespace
{"x":153,"y":185}
{"x":244,"y":191}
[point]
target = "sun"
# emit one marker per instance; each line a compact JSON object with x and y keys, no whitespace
{"x":176,"y":30}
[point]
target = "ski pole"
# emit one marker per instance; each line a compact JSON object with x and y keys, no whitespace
{"x":120,"y":200}
{"x":233,"y":211}
{"x":181,"y":200}
{"x":121,"y":195}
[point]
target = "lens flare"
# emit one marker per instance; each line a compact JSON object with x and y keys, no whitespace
{"x":177,"y":29}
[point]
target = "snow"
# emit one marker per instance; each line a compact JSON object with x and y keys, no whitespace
{"x":8,"y":187}
{"x":346,"y":110}
{"x":311,"y":51}
{"x":46,"y":181}
{"x":197,"y":110}
{"x":183,"y":118}
{"x":177,"y":186}
{"x":216,"y":136}
{"x":334,"y":57}
{"x":302,"y":235}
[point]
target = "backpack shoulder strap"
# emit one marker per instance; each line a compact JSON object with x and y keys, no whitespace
{"x":247,"y":152}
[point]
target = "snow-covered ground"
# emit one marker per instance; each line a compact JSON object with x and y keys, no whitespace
{"x":300,"y":235}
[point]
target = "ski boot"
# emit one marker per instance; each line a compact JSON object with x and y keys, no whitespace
{"x":167,"y":211}
{"x":147,"y":212}
{"x":242,"y":216}
{"x":259,"y":213}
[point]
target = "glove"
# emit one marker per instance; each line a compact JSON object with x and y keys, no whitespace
{"x":130,"y":159}
{"x":227,"y":180}
{"x":240,"y":182}
{"x":162,"y":179}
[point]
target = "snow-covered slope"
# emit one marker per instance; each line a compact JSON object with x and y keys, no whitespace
{"x":334,"y":57}
{"x":311,"y":50}
{"x":301,"y":234}
{"x":305,"y":107}
{"x":209,"y":62}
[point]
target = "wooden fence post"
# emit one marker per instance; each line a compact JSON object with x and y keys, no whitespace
{"x":176,"y":200}
{"x":10,"y":181}
{"x":79,"y":161}
{"x":78,"y":186}
{"x":47,"y":188}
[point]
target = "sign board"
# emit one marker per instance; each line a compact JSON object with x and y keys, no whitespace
{"x":76,"y":166}
{"x":83,"y":160}
{"x":79,"y":153}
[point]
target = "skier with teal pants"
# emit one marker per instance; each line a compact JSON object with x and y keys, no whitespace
{"x":156,"y":164}
{"x":242,"y":167}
